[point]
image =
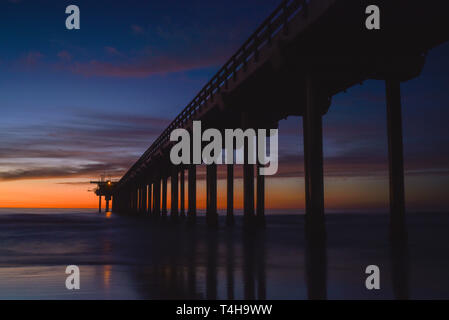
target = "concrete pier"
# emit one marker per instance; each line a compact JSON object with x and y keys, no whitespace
{"x":105,"y":188}
{"x":275,"y":75}
{"x":135,"y":200}
{"x":157,"y":198}
{"x":164,"y":196}
{"x":182,"y":191}
{"x":395,"y":159}
{"x":191,"y":213}
{"x":260,"y":208}
{"x":248,"y":189}
{"x":174,"y":193}
{"x":313,"y":160}
{"x":248,"y":178}
{"x":107,"y":203}
{"x":248,"y":193}
{"x":139,"y":199}
{"x":230,"y":195}
{"x":211,"y":187}
{"x":143,"y":208}
{"x":149,"y":212}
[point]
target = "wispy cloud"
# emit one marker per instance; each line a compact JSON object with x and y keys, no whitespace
{"x":113,"y":51}
{"x":65,"y":56}
{"x":146,"y":66}
{"x":122,"y":65}
{"x":87,"y":145}
{"x":32,"y":58}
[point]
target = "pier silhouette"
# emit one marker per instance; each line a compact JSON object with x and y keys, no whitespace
{"x":365,"y":103}
{"x":297,"y":59}
{"x":105,"y":188}
{"x":302,"y":55}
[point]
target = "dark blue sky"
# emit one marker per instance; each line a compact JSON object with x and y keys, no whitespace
{"x":76,"y":103}
{"x":130,"y":62}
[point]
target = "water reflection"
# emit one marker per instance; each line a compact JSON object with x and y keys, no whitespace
{"x":261,"y":262}
{"x":230,"y":264}
{"x":206,"y":264}
{"x":211,"y":269}
{"x":316,"y":268}
{"x":254,"y":261}
{"x":136,"y":258}
{"x":107,"y":276}
{"x":191,"y":266}
{"x":400,"y":267}
{"x":249,"y":247}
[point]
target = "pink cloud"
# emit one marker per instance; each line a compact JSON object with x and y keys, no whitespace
{"x":112,"y":51}
{"x":65,"y":56}
{"x":146,"y":64}
{"x":137,"y":29}
{"x":32,"y":58}
{"x":145,"y":67}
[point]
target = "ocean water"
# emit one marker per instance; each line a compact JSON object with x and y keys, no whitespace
{"x":124,"y":257}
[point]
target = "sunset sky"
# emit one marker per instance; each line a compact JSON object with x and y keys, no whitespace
{"x":77,"y":104}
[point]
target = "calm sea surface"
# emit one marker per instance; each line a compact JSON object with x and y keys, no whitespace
{"x":136,"y":258}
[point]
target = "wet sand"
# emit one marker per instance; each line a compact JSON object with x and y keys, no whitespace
{"x":136,"y":258}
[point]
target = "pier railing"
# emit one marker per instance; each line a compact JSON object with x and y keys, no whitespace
{"x":277,"y":21}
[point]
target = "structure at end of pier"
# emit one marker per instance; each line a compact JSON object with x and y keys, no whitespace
{"x":104,"y":188}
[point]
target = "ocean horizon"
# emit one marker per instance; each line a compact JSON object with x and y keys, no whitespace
{"x":237,"y":211}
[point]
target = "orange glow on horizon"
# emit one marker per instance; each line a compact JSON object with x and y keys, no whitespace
{"x":280,"y":193}
{"x":47,"y":193}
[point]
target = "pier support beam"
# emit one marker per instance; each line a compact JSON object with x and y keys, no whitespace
{"x":139,"y":199}
{"x":144,"y":199}
{"x":248,"y":178}
{"x":192,"y":191}
{"x":99,"y":204}
{"x":164,"y":195}
{"x":126,"y":202}
{"x":230,"y":195}
{"x":133,"y":200}
{"x":149,"y":198}
{"x":157,"y":198}
{"x":136,"y":198}
{"x":107,"y":198}
{"x":260,"y":213}
{"x":313,"y":161}
{"x":211,"y":190}
{"x":182,"y":199}
{"x":395,"y":159}
{"x":116,"y":202}
{"x":174,"y":192}
{"x":248,"y":191}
